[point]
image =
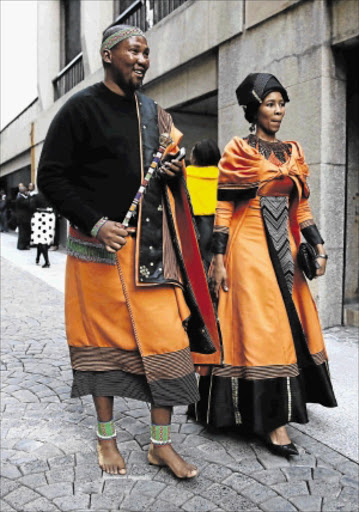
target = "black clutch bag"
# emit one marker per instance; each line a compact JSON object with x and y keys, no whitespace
{"x":307,"y":260}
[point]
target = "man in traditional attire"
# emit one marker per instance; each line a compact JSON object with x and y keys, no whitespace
{"x":129,"y":292}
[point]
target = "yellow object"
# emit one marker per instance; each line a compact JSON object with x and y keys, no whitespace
{"x":202,"y":186}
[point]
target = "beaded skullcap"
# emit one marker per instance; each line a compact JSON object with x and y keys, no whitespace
{"x":119,"y":36}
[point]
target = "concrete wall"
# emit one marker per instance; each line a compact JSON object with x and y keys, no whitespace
{"x":95,"y":17}
{"x":48,"y":49}
{"x":345,"y":21}
{"x":303,"y":60}
{"x":191,"y":30}
{"x":256,"y":12}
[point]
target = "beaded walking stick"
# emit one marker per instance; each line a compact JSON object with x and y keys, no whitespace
{"x":165,"y":141}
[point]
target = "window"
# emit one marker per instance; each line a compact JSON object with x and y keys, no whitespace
{"x":71,"y":30}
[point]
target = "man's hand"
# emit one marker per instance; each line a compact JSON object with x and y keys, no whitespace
{"x":112,"y":235}
{"x":171,"y":168}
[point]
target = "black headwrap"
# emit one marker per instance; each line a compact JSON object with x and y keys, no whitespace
{"x":254,"y":88}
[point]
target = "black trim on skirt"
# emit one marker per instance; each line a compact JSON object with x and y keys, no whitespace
{"x":262,"y":405}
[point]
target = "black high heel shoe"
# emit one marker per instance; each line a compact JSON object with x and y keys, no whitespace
{"x":283,"y":450}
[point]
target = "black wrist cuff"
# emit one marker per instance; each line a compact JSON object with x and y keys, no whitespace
{"x":312,"y":235}
{"x":219,"y":242}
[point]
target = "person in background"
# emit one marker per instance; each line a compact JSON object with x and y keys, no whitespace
{"x":23,"y":217}
{"x":42,"y":227}
{"x":31,"y":190}
{"x":3,"y":212}
{"x":202,"y":181}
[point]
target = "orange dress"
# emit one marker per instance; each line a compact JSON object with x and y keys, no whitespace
{"x":273,"y":355}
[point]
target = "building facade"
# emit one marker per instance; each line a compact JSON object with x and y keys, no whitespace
{"x":200,"y":51}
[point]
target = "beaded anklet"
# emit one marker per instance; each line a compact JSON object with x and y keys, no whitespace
{"x":160,"y":434}
{"x":106,"y":430}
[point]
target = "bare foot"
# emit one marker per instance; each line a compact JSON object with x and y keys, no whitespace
{"x":280,"y":436}
{"x":166,"y":456}
{"x":109,"y":458}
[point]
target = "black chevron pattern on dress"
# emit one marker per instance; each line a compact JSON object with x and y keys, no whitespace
{"x":275,"y":217}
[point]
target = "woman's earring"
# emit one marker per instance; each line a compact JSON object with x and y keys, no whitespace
{"x":252,"y":127}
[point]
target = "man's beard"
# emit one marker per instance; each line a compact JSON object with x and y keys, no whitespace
{"x":127,"y":87}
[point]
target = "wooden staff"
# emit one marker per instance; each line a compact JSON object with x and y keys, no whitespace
{"x":165,"y":141}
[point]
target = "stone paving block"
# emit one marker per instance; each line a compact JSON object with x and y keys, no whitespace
{"x":258,"y":492}
{"x":298,"y":473}
{"x":198,"y":504}
{"x":330,"y":505}
{"x":138,"y":458}
{"x":218,"y":492}
{"x":277,"y":505}
{"x":238,"y":482}
{"x":327,"y":474}
{"x":92,"y":487}
{"x":322,"y":488}
{"x":307,"y":503}
{"x":64,"y":474}
{"x":274,"y":476}
{"x":49,"y":451}
{"x":33,"y":481}
{"x":117,"y":485}
{"x":238,"y":504}
{"x":246,"y":466}
{"x":142,"y":471}
{"x":148,"y":488}
{"x":216,"y":472}
{"x":27,"y":445}
{"x":20,"y":496}
{"x":271,"y":461}
{"x":5,"y":507}
{"x":163,"y":506}
{"x":191,"y":428}
{"x":100,"y":502}
{"x":349,"y":468}
{"x":9,"y":471}
{"x":7,"y":486}
{"x":294,"y":488}
{"x":69,"y":503}
{"x":349,"y":493}
{"x":40,"y":505}
{"x":137,"y":503}
{"x":25,"y":396}
{"x":57,"y":490}
{"x":66,"y":460}
{"x":195,"y":485}
{"x":350,"y":481}
{"x":304,"y":459}
{"x":87,"y":472}
{"x":175,"y":495}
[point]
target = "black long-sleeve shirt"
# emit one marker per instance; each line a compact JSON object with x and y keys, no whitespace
{"x":90,"y":162}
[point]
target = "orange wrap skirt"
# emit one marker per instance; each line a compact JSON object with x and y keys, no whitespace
{"x":123,"y":339}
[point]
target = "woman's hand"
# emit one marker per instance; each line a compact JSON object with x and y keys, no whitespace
{"x":112,"y":235}
{"x":322,"y":262}
{"x":218,"y":275}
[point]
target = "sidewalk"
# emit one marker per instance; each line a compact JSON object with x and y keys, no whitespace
{"x":48,"y":439}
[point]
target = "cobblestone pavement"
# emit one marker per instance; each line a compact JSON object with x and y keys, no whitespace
{"x":48,"y":440}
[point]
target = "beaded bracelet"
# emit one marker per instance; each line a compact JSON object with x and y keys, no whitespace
{"x":98,"y":226}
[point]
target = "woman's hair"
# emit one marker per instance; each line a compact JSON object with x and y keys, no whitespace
{"x":250,"y":111}
{"x":206,"y":152}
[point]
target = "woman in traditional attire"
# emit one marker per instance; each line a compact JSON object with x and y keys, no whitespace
{"x":273,"y":356}
{"x":202,"y":182}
